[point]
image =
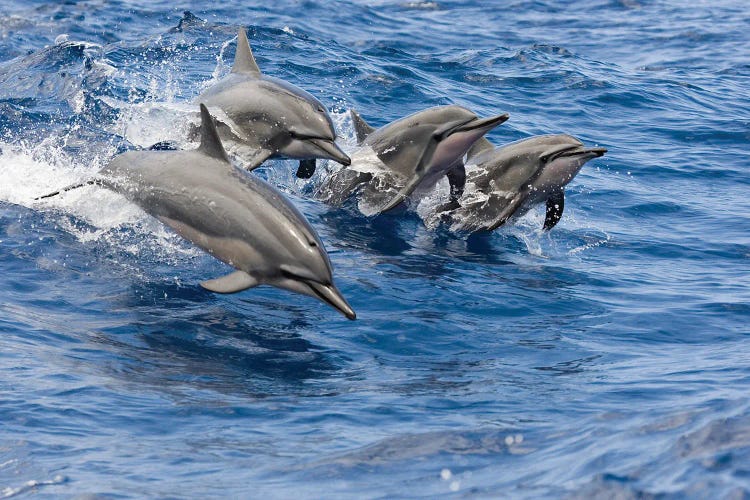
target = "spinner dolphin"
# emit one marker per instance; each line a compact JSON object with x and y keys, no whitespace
{"x":271,"y":118}
{"x":506,"y":182}
{"x":413,"y":153}
{"x":238,"y":218}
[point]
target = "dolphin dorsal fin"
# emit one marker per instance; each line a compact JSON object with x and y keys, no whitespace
{"x":244,"y":62}
{"x":361,"y":127}
{"x":480,"y":146}
{"x":210,"y":142}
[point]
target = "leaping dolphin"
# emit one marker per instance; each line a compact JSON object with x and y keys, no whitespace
{"x":271,"y":117}
{"x":506,"y":182}
{"x":415,"y":152}
{"x":238,"y":218}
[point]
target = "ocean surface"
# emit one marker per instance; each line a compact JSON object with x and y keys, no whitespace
{"x":609,"y":357}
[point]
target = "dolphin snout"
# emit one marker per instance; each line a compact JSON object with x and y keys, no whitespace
{"x":485,"y":124}
{"x":332,"y":151}
{"x":332,"y":296}
{"x":599,"y":152}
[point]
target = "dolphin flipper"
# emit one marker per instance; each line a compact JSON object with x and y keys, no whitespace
{"x":231,"y":283}
{"x":457,"y":181}
{"x":555,"y":207}
{"x":508,"y":211}
{"x":244,"y":62}
{"x":306,"y":168}
{"x":361,"y":128}
{"x":257,"y":159}
{"x":402,"y":195}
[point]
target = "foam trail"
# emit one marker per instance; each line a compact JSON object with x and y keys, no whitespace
{"x":32,"y":172}
{"x":147,"y":123}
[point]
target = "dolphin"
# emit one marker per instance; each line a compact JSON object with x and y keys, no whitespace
{"x":508,"y":181}
{"x":415,"y":152}
{"x":271,"y":117}
{"x":238,"y":218}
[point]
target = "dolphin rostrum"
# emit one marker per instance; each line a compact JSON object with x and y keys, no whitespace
{"x":414,"y":152}
{"x":270,"y":117}
{"x":238,"y":218}
{"x":506,"y":182}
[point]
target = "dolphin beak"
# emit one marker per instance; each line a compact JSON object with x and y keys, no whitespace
{"x":331,"y":296}
{"x":331,"y":150}
{"x":574,"y":150}
{"x":597,"y":152}
{"x":482,"y":124}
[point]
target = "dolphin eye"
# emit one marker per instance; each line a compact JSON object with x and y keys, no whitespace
{"x":313,"y":244}
{"x":321,"y":109}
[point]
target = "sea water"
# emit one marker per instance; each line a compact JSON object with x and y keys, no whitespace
{"x":609,"y":357}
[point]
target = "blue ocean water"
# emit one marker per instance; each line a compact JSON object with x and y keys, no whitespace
{"x":608,"y":357}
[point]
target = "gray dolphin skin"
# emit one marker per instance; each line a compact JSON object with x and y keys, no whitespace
{"x":419,"y":149}
{"x":238,"y":218}
{"x":508,"y":181}
{"x":271,"y":117}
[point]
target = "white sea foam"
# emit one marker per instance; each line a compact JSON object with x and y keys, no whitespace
{"x":29,"y":172}
{"x":144,"y":124}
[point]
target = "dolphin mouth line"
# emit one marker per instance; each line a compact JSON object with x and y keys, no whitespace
{"x":325,"y":293}
{"x":305,"y":137}
{"x":579,"y":151}
{"x":480,"y":123}
{"x":333,"y":298}
{"x":327,"y":146}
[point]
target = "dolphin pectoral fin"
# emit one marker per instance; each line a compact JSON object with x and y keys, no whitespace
{"x":480,"y":146}
{"x":258,"y":158}
{"x":244,"y":62}
{"x":231,"y":283}
{"x":457,"y":181}
{"x":361,"y":128}
{"x":306,"y":168}
{"x":555,"y":207}
{"x":507,"y":212}
{"x":402,"y":195}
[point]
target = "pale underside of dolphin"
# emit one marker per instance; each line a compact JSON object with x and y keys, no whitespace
{"x":266,"y":117}
{"x":504,"y":183}
{"x":238,"y":218}
{"x":413,"y":154}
